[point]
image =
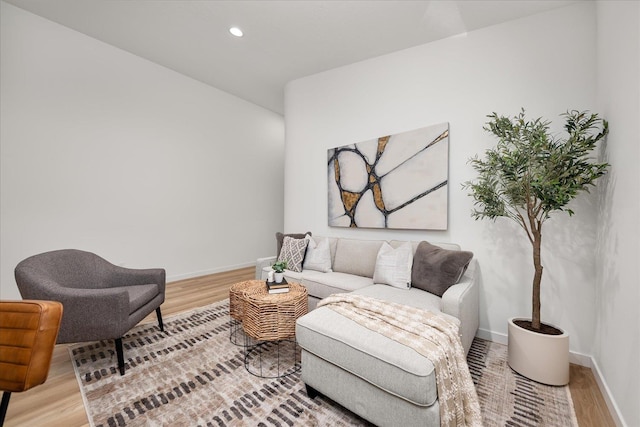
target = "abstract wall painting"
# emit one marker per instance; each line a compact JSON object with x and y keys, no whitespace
{"x":396,"y":181}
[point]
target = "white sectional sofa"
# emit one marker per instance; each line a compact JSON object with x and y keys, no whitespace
{"x":353,"y":263}
{"x":375,"y":377}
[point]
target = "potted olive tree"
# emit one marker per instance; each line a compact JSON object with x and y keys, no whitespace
{"x":526,"y":177}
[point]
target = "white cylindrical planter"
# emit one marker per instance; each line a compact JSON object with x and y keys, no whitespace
{"x":279,"y":277}
{"x":540,"y":357}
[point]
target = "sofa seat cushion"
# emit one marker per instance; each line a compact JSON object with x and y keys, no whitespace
{"x":139,"y":295}
{"x":413,"y":297}
{"x":382,"y":362}
{"x":321,"y":285}
{"x":291,"y":276}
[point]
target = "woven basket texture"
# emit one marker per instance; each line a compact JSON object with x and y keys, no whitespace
{"x":272,"y":317}
{"x":236,"y":304}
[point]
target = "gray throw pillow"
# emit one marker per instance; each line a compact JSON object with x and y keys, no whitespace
{"x":280,"y":238}
{"x":435,"y":269}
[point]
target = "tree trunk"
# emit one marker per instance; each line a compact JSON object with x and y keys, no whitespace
{"x":537,"y":278}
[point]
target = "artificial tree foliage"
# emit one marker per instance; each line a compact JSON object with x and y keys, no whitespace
{"x":531,"y":173}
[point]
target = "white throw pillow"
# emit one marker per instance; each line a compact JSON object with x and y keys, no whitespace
{"x":393,"y":266}
{"x":318,"y":256}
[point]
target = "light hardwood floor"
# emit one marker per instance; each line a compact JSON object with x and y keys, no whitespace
{"x":58,"y":401}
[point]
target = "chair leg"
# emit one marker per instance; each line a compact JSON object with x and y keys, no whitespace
{"x":311,"y":392}
{"x":120,"y":354}
{"x":4,"y":406}
{"x":159,"y":314}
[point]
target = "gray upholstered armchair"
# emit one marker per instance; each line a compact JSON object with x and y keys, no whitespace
{"x":101,"y":301}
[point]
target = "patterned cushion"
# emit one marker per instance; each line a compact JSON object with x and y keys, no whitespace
{"x":292,"y":252}
{"x":280,"y":238}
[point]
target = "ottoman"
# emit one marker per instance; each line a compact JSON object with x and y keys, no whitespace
{"x":381,"y":380}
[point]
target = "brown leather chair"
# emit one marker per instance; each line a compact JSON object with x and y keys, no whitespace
{"x":28,"y":332}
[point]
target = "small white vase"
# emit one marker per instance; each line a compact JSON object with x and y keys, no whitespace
{"x":540,"y":357}
{"x":279,"y":277}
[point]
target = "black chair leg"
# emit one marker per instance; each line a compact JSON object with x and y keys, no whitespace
{"x":120,"y":355}
{"x":159,"y":314}
{"x":4,"y":406}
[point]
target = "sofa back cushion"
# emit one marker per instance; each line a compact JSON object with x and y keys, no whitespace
{"x":450,"y":246}
{"x":354,"y":256}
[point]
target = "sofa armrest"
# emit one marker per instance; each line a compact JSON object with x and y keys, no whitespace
{"x":462,"y":301}
{"x":261,"y":263}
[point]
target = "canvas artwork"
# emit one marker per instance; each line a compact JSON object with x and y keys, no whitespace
{"x":395,"y":181}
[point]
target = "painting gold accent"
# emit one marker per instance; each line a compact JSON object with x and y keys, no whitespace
{"x":377,"y":197}
{"x":350,"y":199}
{"x":382,"y":144}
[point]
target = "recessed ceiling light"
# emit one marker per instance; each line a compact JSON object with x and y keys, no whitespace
{"x":236,"y":31}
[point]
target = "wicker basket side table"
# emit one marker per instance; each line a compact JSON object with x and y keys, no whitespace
{"x":269,"y":324}
{"x":272,"y":317}
{"x":236,"y":308}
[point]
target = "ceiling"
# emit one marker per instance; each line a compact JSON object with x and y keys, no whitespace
{"x":283,"y":41}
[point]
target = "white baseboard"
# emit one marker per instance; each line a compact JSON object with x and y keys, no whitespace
{"x":574,"y":357}
{"x":176,"y":277}
{"x":492,"y":336}
{"x":578,"y":359}
{"x":606,"y":393}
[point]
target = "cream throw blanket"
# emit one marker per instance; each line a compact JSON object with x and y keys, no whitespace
{"x":434,"y":336}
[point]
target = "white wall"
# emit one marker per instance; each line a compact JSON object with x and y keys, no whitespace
{"x":617,"y":334}
{"x":585,"y":56}
{"x":104,"y":151}
{"x":545,"y":63}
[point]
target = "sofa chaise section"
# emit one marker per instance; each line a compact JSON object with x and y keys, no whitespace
{"x":375,"y":377}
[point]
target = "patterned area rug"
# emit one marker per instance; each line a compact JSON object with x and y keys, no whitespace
{"x":193,"y":375}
